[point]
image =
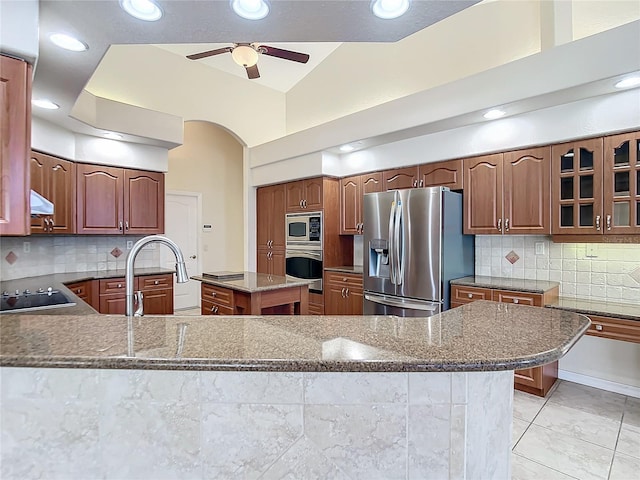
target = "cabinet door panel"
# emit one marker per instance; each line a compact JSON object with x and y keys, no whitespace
{"x":351,"y":205}
{"x":15,"y":131}
{"x":144,"y":202}
{"x":278,"y":263}
{"x":99,"y":199}
{"x":277,"y":219}
{"x":371,"y":182}
{"x":482,"y":180}
{"x":294,"y":196}
{"x":61,"y":193}
{"x":263,"y":214}
{"x":158,"y":302}
{"x":622,"y":184}
{"x":400,"y":178}
{"x":446,"y":174}
{"x":262,"y":265}
{"x":38,"y":168}
{"x":313,"y":194}
{"x":526,"y":186}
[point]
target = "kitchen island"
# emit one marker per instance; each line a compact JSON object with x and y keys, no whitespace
{"x":253,"y":294}
{"x":244,"y":397}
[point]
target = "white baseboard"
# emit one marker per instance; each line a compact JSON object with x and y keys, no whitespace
{"x":600,"y":383}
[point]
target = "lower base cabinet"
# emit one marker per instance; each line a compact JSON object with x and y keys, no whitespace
{"x":157,"y":291}
{"x":536,"y":380}
{"x":86,"y":291}
{"x":316,"y":303}
{"x":343,"y":293}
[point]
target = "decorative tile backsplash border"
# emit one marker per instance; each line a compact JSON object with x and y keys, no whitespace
{"x":595,"y":270}
{"x":44,"y":255}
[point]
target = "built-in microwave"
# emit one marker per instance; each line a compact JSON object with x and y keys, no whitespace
{"x":304,"y":229}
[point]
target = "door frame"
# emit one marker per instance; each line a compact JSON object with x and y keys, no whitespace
{"x":198,"y":197}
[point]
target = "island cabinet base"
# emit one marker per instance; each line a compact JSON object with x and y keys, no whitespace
{"x":216,"y":300}
{"x":84,"y":423}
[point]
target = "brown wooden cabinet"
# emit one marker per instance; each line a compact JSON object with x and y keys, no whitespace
{"x":508,"y":193}
{"x":15,"y":131}
{"x":216,"y":300}
{"x":400,"y":178}
{"x":271,"y":262}
{"x":157,"y":291}
{"x":445,"y":174}
{"x":270,"y":210}
{"x":614,"y":328}
{"x":54,"y":179}
{"x":343,"y":293}
{"x":119,"y":201}
{"x":352,"y":190}
{"x":304,"y":195}
{"x":536,"y":380}
{"x":87,"y":291}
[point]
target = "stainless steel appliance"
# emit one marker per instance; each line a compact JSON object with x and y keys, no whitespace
{"x":40,"y":299}
{"x":413,"y":247}
{"x":304,"y":229}
{"x":305,"y":264}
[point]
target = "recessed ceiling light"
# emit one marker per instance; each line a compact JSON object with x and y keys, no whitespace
{"x":251,"y":9}
{"x":113,"y":136}
{"x":629,"y":82}
{"x":347,"y":148}
{"x":146,"y":10}
{"x":388,"y":9}
{"x":44,"y":103}
{"x":493,"y":114}
{"x":68,"y":42}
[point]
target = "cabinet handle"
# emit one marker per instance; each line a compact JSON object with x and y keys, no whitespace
{"x":46,"y":224}
{"x":421,"y":183}
{"x":599,"y":327}
{"x":300,"y":203}
{"x":506,"y":225}
{"x":304,"y":203}
{"x":120,"y":226}
{"x":51,"y":224}
{"x":598,"y":222}
{"x":608,"y":222}
{"x":342,"y":292}
{"x":214,"y":309}
{"x":126,"y":225}
{"x":500,"y":225}
{"x":346,"y":294}
{"x":470,"y":295}
{"x":515,"y":300}
{"x":415,"y":183}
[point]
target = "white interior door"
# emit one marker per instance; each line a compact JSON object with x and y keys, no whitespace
{"x":182,"y":225}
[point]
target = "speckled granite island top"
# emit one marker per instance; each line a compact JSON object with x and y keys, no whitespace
{"x":253,"y":282}
{"x":480,"y":336}
{"x":516,"y":284}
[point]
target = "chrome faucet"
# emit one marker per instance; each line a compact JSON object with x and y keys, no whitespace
{"x":181,"y":271}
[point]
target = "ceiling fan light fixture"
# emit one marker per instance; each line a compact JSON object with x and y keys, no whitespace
{"x":388,"y":9}
{"x":146,"y":10}
{"x":68,"y":42}
{"x":245,"y":55}
{"x":251,"y":9}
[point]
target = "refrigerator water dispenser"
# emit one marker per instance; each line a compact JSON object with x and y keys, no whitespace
{"x":379,"y":258}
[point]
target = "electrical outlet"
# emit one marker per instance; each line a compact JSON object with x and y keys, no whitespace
{"x":129,"y":244}
{"x":539,"y":248}
{"x":26,"y":247}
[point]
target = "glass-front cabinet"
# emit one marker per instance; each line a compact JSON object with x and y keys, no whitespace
{"x":622,"y":184}
{"x":576,"y":187}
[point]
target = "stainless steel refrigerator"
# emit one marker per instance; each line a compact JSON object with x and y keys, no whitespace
{"x":413,"y":246}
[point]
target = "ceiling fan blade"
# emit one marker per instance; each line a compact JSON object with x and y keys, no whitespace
{"x":252,"y":72}
{"x":209,"y":53}
{"x":286,"y":54}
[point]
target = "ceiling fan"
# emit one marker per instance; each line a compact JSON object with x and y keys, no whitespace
{"x":246,"y":55}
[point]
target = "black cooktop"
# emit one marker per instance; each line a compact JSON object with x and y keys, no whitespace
{"x":33,"y":301}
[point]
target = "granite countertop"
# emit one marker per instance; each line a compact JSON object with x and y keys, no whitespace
{"x":480,"y":336}
{"x":515,"y":284}
{"x":356,"y":269}
{"x":254,"y":282}
{"x":588,"y":306}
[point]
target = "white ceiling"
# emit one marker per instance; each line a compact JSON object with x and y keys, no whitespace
{"x":189,"y":26}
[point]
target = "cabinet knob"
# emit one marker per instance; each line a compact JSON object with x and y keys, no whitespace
{"x":344,"y":279}
{"x":470,"y":295}
{"x":78,"y":290}
{"x":599,"y":327}
{"x":155,"y":282}
{"x":213,"y":294}
{"x":515,"y":300}
{"x":119,"y":285}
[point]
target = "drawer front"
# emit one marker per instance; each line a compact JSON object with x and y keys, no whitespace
{"x":155,"y":282}
{"x":521,"y":298}
{"x":81,"y":289}
{"x":351,"y":281}
{"x":210,"y":308}
{"x":614,"y":328}
{"x":220,"y":296}
{"x":316,"y":309}
{"x":461,"y":294}
{"x":112,"y":285}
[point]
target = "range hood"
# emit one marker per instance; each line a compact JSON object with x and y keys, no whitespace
{"x":40,"y":205}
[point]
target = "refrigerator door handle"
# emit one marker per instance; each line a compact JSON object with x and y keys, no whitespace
{"x":398,"y":245}
{"x":405,"y":303}
{"x":392,"y":216}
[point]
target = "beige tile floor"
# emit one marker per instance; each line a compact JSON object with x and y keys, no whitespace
{"x":576,"y":432}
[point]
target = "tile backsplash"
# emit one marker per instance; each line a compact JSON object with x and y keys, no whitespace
{"x":43,"y":255}
{"x":595,"y":270}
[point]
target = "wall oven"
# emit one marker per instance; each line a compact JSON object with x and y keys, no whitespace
{"x":304,"y":230}
{"x":305,"y":264}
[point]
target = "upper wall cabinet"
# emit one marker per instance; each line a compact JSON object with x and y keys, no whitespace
{"x":54,"y":179}
{"x":15,"y":132}
{"x":119,"y":201}
{"x":352,"y":189}
{"x":304,"y":195}
{"x":400,"y":178}
{"x":446,"y":174}
{"x":508,"y":193}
